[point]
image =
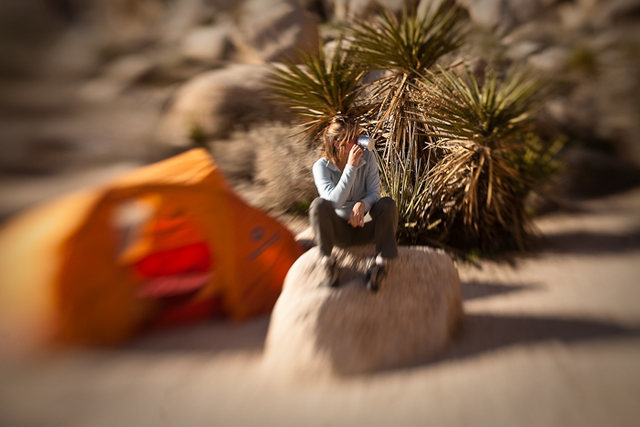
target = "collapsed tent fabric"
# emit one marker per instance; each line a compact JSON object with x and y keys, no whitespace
{"x":167,"y":243}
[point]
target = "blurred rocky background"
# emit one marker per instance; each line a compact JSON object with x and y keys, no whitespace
{"x":92,"y":88}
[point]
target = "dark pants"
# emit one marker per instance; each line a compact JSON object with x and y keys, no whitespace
{"x":332,"y":230}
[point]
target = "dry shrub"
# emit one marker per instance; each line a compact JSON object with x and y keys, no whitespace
{"x":491,"y":158}
{"x":269,"y":167}
{"x":235,"y":157}
{"x":283,"y":170}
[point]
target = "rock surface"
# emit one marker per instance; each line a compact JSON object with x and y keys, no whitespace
{"x":344,"y":331}
{"x":209,"y":44}
{"x":216,"y":102}
{"x":274,"y":31}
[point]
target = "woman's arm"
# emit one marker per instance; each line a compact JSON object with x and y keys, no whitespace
{"x":336,"y":194}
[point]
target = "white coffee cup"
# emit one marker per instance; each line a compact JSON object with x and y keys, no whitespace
{"x":365,"y":142}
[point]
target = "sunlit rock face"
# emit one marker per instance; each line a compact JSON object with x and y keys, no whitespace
{"x":347,"y":330}
{"x":274,"y":31}
{"x":216,"y":102}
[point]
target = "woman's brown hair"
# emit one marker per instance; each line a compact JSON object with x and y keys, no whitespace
{"x":341,"y":129}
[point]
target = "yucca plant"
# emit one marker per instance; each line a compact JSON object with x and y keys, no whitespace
{"x":404,"y":179}
{"x":489,"y":157}
{"x":405,"y":48}
{"x":319,"y":88}
{"x":457,"y":155}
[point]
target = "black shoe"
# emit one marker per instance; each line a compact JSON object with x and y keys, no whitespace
{"x":331,"y":272}
{"x":375,"y":274}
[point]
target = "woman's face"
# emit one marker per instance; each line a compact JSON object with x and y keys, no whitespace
{"x":345,"y":147}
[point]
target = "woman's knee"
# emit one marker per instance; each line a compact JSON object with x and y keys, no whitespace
{"x":387,"y":203}
{"x":320,"y":206}
{"x":386,"y":207}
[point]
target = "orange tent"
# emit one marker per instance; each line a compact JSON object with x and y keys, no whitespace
{"x":168,"y":243}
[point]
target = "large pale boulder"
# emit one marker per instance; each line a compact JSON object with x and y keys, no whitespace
{"x":124,"y":73}
{"x":347,"y":330}
{"x":207,"y":44}
{"x":502,"y":15}
{"x":345,"y":10}
{"x":274,"y":31}
{"x":214,"y":103}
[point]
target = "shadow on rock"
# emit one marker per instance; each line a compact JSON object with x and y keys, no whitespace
{"x":588,"y":243}
{"x":211,"y":337}
{"x":476,"y":290}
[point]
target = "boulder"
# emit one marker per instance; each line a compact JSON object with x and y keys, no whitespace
{"x":306,"y":238}
{"x":208,"y":44}
{"x":124,"y":73}
{"x":273,"y":31}
{"x":500,"y":15}
{"x":316,"y":330}
{"x":180,"y":17}
{"x":26,"y":29}
{"x":550,"y":60}
{"x":214,"y":103}
{"x":345,"y":10}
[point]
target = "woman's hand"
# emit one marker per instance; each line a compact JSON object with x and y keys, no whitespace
{"x":357,"y":215}
{"x":354,"y":155}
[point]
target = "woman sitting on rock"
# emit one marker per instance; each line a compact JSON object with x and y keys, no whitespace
{"x":348,"y":182}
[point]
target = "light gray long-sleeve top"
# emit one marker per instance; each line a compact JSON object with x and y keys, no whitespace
{"x":354,"y":184}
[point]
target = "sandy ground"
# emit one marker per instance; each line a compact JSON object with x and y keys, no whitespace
{"x":552,"y":340}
